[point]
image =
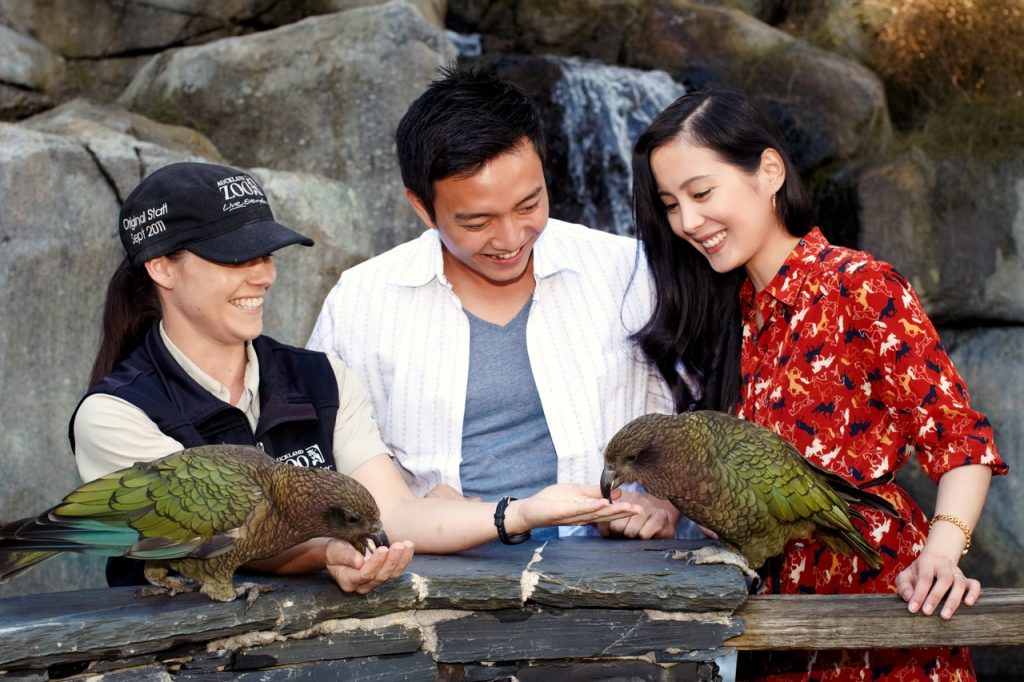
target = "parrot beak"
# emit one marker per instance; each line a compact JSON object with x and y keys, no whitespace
{"x":608,"y":482}
{"x":378,"y":539}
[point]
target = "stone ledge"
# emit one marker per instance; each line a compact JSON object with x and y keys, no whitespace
{"x":573,"y":599}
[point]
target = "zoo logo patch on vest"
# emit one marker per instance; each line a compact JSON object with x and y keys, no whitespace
{"x":310,"y":456}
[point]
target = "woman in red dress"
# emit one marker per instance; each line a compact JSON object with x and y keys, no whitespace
{"x":758,"y":315}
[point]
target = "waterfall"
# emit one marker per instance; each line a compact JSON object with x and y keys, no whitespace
{"x":465,"y":44}
{"x":603,"y":110}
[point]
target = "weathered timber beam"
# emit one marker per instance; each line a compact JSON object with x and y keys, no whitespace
{"x":876,"y":621}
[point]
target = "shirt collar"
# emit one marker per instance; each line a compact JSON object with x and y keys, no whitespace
{"x":248,"y":402}
{"x":555,"y":252}
{"x":552,"y":253}
{"x":785,"y":286}
{"x":423,"y":264}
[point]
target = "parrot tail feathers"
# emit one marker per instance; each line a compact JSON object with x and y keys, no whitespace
{"x":16,"y":563}
{"x":888,"y":477}
{"x":47,"y":534}
{"x":853,"y":543}
{"x":196,"y":548}
{"x":162,"y":548}
{"x":852,"y":494}
{"x":866,"y":499}
{"x":218,"y":544}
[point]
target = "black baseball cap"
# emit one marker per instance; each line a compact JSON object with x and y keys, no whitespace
{"x":217,"y":212}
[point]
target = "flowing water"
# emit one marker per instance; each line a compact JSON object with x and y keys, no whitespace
{"x":603,"y":110}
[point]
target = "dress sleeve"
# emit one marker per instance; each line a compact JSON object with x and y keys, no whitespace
{"x":112,"y":434}
{"x":916,"y":378}
{"x":356,"y":437}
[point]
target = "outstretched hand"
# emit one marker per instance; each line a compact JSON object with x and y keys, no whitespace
{"x":931,"y":577}
{"x":656,"y":520}
{"x":570,"y":504}
{"x":357,"y":573}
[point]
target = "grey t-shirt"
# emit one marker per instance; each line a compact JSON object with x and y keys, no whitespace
{"x":506,"y":445}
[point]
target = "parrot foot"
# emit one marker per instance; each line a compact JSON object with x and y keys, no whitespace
{"x":252,"y":592}
{"x":169,"y":585}
{"x":716,"y":554}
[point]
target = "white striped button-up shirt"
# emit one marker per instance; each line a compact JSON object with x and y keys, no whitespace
{"x":397,"y":324}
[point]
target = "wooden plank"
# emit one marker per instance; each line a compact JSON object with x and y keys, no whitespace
{"x":876,"y":621}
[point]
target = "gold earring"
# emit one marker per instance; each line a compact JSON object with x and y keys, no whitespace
{"x":773,"y":202}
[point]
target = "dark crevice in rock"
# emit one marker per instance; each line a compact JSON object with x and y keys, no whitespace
{"x":127,"y":54}
{"x":160,"y":7}
{"x":103,"y":171}
{"x":141,"y":166}
{"x":20,"y":86}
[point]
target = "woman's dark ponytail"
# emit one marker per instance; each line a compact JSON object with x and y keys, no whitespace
{"x":130,"y":309}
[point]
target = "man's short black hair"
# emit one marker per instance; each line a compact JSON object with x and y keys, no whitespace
{"x":465,"y":119}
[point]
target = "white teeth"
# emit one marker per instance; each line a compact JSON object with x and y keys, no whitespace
{"x":714,"y":241}
{"x":248,"y":303}
{"x":506,"y":256}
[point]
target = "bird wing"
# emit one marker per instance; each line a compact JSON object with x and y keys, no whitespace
{"x":191,"y":503}
{"x":791,"y":489}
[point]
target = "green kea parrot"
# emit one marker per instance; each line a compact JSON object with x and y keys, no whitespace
{"x":740,"y":480}
{"x":202,"y":512}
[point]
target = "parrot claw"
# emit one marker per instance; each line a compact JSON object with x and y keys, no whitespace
{"x":169,"y":585}
{"x":716,"y":554}
{"x":252,"y":592}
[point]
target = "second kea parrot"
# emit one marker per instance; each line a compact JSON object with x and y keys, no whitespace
{"x":202,"y":512}
{"x":740,"y":480}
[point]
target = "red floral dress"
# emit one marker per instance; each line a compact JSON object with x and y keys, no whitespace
{"x":849,"y":369}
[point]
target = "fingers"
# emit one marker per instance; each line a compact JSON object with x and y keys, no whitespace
{"x":955,"y":596}
{"x":644,"y":525}
{"x":590,"y":491}
{"x":647,"y":522}
{"x":922,"y":577}
{"x":973,"y":591}
{"x":385,"y":563}
{"x":924,"y":585}
{"x":601,"y":514}
{"x":342,"y":554}
{"x":905,"y":584}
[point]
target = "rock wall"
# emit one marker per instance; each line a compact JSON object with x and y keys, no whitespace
{"x":306,"y":95}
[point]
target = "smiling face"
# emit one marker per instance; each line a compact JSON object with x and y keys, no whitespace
{"x":722,"y":211}
{"x":489,"y":221}
{"x":208,"y":304}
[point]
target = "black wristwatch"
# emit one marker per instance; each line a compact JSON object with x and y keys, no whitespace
{"x":499,"y":523}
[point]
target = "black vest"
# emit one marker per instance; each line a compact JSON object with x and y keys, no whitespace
{"x":298,"y":407}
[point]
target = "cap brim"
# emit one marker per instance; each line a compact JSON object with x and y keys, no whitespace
{"x":248,"y":242}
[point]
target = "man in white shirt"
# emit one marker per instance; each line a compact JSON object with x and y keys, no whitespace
{"x":495,"y":347}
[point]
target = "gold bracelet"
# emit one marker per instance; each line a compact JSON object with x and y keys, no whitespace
{"x":959,"y":524}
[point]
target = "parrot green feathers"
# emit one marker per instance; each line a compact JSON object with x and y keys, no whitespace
{"x":202,"y":512}
{"x":740,"y":480}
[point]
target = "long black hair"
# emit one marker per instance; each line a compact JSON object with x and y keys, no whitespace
{"x":693,"y":337}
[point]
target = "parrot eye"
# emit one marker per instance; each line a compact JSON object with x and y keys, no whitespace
{"x":635,"y":458}
{"x":339,"y":516}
